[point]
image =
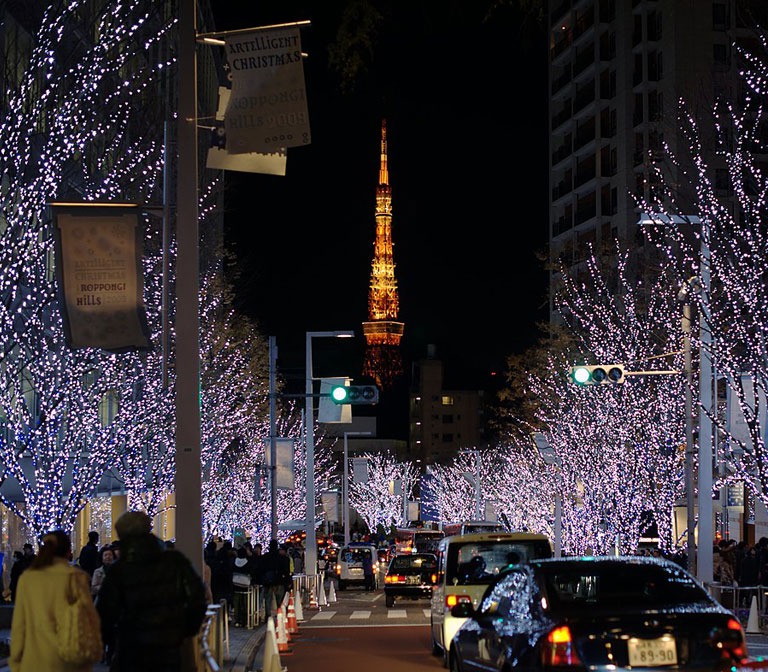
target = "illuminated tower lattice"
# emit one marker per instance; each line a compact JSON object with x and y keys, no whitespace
{"x":382,"y":331}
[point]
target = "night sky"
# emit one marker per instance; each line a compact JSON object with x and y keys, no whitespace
{"x":465,"y":101}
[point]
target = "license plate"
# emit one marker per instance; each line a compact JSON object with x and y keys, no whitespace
{"x":652,"y":652}
{"x":413,"y":580}
{"x":356,"y":571}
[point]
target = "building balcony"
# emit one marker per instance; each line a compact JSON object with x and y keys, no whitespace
{"x":561,"y":117}
{"x":560,"y":46}
{"x":561,"y":153}
{"x":583,"y":61}
{"x":561,"y":189}
{"x":560,"y":83}
{"x":584,"y":23}
{"x":583,"y":98}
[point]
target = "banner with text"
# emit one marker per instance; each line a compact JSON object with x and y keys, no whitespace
{"x":100,"y":276}
{"x":267,"y":108}
{"x":284,"y":469}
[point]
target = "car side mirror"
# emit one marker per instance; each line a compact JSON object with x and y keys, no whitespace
{"x":462,"y":610}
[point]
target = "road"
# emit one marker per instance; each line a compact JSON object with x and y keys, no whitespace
{"x":359,"y":632}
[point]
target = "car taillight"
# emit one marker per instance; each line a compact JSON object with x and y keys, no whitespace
{"x":557,"y":650}
{"x":731,"y":641}
{"x":394,"y":578}
{"x":338,"y":569}
{"x":434,"y":578}
{"x":452,"y":600}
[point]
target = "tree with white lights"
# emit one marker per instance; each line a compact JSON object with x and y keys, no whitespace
{"x":69,"y":129}
{"x":724,"y":170}
{"x":377,"y":501}
{"x":618,"y":444}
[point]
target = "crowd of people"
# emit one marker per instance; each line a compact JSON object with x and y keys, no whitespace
{"x":233,"y":570}
{"x":137,"y":604}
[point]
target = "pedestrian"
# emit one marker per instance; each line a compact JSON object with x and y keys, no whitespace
{"x":17,"y":567}
{"x":728,"y":564}
{"x":45,"y":591}
{"x":749,"y":569}
{"x":89,"y":556}
{"x":152,"y":602}
{"x":241,"y":582}
{"x":106,"y":558}
{"x":368,"y":569}
{"x":276,"y":575}
{"x":222,"y":572}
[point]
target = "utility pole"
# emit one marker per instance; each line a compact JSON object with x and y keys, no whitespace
{"x":689,"y":447}
{"x":272,"y":437}
{"x":189,"y":522}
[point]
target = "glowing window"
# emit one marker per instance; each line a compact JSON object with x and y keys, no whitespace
{"x":447,"y":401}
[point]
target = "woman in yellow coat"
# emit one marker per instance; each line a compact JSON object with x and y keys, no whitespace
{"x":44,"y":590}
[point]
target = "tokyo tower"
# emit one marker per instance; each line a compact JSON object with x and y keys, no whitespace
{"x":382,"y":331}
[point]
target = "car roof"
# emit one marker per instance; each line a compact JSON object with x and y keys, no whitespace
{"x":606,"y":560}
{"x":496,"y":536}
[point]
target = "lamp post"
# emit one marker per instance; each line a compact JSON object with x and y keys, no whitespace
{"x":310,"y":553}
{"x":706,"y":529}
{"x":345,"y":484}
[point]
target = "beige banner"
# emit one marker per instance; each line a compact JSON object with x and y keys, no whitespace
{"x":99,"y":269}
{"x":267,"y":108}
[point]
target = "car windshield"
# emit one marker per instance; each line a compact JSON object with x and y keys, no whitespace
{"x":482,"y":529}
{"x":355,"y":554}
{"x":474,"y":563}
{"x":614,"y":585}
{"x":402,"y":562}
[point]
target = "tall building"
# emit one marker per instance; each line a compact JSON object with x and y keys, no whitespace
{"x":617,"y":69}
{"x":442,"y":421}
{"x":382,"y":331}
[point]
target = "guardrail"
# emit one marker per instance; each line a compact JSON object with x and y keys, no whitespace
{"x":304,"y":585}
{"x":739,"y":598}
{"x":214,"y":637}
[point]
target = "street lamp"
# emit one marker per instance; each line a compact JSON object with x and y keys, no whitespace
{"x":310,"y":553}
{"x":704,"y":561}
{"x":550,"y":457}
{"x":345,"y":488}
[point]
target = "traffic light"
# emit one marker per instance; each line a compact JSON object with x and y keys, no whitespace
{"x":355,"y":394}
{"x":600,"y":374}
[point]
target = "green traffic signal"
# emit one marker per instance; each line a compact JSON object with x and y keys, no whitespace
{"x":600,"y":374}
{"x":355,"y":394}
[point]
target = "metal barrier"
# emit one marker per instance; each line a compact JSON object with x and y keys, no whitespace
{"x":303,"y":585}
{"x":211,"y":644}
{"x":738,"y":599}
{"x":255,"y":607}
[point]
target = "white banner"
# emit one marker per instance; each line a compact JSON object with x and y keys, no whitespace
{"x":330,"y":502}
{"x":360,"y":469}
{"x":100,"y":275}
{"x":284,"y":472}
{"x":737,"y":424}
{"x":268,"y":106}
{"x":413,"y":511}
{"x":252,"y":162}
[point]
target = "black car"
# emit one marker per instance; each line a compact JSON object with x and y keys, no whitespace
{"x":410,"y":575}
{"x":588,"y":613}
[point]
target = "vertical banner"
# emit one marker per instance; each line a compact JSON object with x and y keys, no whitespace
{"x":267,"y":109}
{"x":360,"y":469}
{"x":330,"y":502}
{"x":284,"y":471}
{"x":413,"y":511}
{"x":100,"y":276}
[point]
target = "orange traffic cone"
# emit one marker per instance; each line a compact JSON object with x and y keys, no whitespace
{"x":313,"y":599}
{"x":288,"y":633}
{"x":293,"y":625}
{"x":282,"y":636}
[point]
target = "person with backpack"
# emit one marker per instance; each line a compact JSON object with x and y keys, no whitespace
{"x":276,"y":575}
{"x":152,"y":601}
{"x":55,"y":626}
{"x":241,"y":583}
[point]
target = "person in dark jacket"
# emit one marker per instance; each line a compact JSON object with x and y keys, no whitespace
{"x":275,"y":575}
{"x":368,"y":569}
{"x":222,"y":571}
{"x":750,"y":567}
{"x":151,"y":603}
{"x":89,"y":556}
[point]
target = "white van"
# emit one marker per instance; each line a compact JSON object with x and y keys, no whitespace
{"x":466,"y":564}
{"x":349,"y":565}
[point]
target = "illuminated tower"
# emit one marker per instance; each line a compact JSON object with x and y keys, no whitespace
{"x":382,"y":331}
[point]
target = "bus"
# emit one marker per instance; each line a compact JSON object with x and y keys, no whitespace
{"x":473,"y":527}
{"x":417,"y":540}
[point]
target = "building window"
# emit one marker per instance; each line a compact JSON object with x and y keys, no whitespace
{"x":719,"y":16}
{"x":447,"y":438}
{"x":447,"y":419}
{"x":720,"y":54}
{"x":447,"y":401}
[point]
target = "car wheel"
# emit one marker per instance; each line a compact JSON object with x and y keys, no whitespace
{"x":446,"y":657}
{"x":390,"y":600}
{"x":342,"y":585}
{"x":455,"y":666}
